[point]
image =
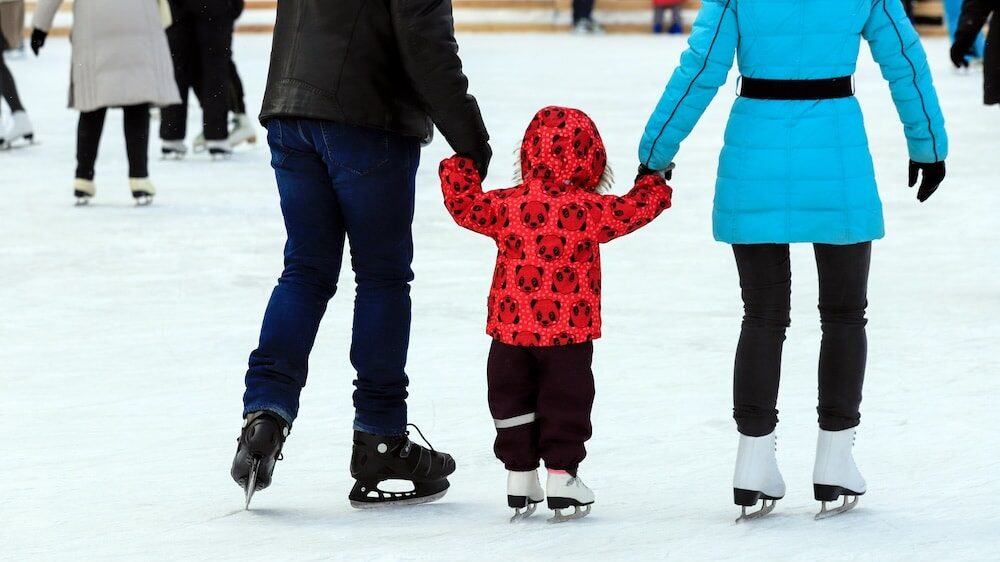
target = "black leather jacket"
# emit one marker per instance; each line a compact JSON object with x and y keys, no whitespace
{"x":385,"y":64}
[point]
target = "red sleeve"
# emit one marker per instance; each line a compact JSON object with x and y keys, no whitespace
{"x":634,"y":210}
{"x":464,"y":197}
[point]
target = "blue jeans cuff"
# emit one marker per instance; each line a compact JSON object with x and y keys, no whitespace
{"x":381,"y":431}
{"x":271,"y":407}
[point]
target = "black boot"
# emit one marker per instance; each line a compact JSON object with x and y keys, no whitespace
{"x":379,"y":458}
{"x":257,"y":450}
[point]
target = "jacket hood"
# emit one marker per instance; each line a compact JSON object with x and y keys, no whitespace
{"x":562,"y":148}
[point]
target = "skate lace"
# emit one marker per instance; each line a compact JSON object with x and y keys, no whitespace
{"x":421,"y":433}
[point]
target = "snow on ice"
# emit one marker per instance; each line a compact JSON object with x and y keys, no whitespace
{"x":125,"y":333}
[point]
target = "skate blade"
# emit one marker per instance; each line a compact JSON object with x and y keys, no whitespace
{"x":578,"y":513}
{"x":251,"y":486}
{"x":82,"y":201}
{"x":766,"y":508}
{"x":143,"y":199}
{"x":519,"y":515}
{"x":376,"y":504}
{"x":825,"y":513}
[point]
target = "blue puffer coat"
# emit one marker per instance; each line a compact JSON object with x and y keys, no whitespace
{"x":797,"y":171}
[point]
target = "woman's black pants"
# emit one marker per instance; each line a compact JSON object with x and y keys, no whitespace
{"x":766,"y":282}
{"x":88,"y":140}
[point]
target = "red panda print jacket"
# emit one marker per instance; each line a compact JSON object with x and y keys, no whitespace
{"x":547,"y":282}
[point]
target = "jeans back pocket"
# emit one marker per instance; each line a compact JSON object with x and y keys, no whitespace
{"x":359,"y":150}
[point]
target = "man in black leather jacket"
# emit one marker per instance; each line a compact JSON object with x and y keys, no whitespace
{"x":354,"y":88}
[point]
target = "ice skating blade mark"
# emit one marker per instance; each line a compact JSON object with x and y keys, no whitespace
{"x":520,"y":515}
{"x":765,"y":509}
{"x":251,"y":482}
{"x":578,"y":513}
{"x":850,"y":502}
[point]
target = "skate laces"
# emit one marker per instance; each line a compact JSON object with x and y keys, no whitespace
{"x":421,"y":433}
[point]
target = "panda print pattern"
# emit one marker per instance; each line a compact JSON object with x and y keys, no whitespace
{"x":547,"y":282}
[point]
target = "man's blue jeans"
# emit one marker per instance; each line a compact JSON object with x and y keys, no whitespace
{"x":338,"y":181}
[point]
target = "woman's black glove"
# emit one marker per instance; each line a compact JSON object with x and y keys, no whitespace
{"x":481,"y":157}
{"x":933,"y":176}
{"x":645,"y":171}
{"x":959,"y":56}
{"x":38,"y":40}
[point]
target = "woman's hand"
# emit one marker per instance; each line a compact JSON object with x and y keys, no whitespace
{"x":933,"y":176}
{"x":38,"y":40}
{"x":645,"y":171}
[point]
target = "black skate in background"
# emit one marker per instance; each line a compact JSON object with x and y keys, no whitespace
{"x":257,"y":450}
{"x":378,"y":458}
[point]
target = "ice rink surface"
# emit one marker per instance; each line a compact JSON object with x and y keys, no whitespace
{"x":125,"y":332}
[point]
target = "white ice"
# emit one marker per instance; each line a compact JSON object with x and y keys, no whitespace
{"x":124,"y":334}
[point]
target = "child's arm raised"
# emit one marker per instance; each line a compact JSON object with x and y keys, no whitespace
{"x":464,"y":197}
{"x":634,"y":210}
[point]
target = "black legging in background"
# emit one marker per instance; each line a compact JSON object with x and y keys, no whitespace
{"x":582,"y":10}
{"x":8,"y":89}
{"x":88,"y":140}
{"x":234,"y":87}
{"x":766,"y":281}
{"x":200,"y":47}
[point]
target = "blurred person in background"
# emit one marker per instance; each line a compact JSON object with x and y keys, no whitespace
{"x":243,"y":129}
{"x":120,"y":59}
{"x":201,"y":45}
{"x":11,"y":26}
{"x":952,"y":15}
{"x":975,"y":13}
{"x":583,"y":18}
{"x":660,"y":8}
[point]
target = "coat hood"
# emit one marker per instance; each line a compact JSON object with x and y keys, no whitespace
{"x":562,"y":148}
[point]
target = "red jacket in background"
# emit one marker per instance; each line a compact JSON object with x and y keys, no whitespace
{"x":547,"y":282}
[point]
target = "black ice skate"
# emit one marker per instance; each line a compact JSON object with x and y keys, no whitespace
{"x":257,"y":450}
{"x":377,"y":459}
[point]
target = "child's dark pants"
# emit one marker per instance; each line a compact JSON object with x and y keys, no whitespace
{"x":541,"y":398}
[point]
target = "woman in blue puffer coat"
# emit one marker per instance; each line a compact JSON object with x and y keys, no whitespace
{"x":796,"y":168}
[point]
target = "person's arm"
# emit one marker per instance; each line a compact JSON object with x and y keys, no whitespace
{"x":464,"y":197}
{"x":634,"y":210}
{"x":425,"y":34}
{"x":970,"y":24}
{"x":896,"y":48}
{"x":702,"y":71}
{"x":41,"y":22}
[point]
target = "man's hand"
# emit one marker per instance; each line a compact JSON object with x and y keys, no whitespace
{"x":481,"y":156}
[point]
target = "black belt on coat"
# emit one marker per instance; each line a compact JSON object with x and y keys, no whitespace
{"x":824,"y":89}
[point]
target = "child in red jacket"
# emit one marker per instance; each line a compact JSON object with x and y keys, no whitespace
{"x":545,"y":304}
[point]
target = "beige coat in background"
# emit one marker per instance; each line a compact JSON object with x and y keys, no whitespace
{"x":120,"y":53}
{"x":12,"y":22}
